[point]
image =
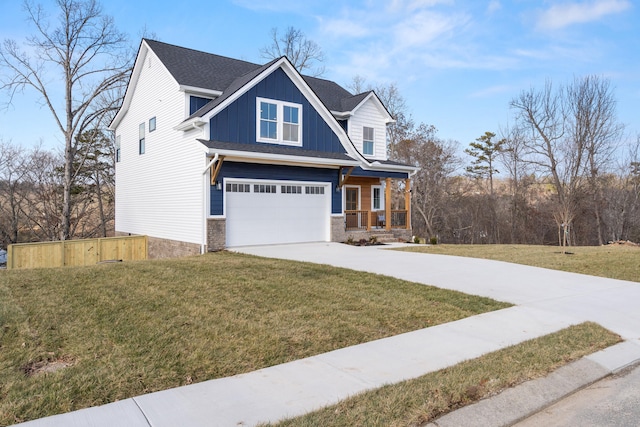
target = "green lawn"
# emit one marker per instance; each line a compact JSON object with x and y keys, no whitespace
{"x":613,"y":261}
{"x":120,"y":330}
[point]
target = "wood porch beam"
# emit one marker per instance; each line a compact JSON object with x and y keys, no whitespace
{"x":407,"y":201}
{"x":215,"y":170}
{"x":342,"y":180}
{"x":387,"y":204}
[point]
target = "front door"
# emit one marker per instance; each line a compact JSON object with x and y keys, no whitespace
{"x":352,"y":203}
{"x":352,"y":197}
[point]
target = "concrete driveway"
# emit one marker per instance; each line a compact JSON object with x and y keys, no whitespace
{"x":546,"y":301}
{"x":611,"y":303}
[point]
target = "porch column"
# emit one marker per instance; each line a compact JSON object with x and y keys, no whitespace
{"x":407,"y":201}
{"x":387,"y":204}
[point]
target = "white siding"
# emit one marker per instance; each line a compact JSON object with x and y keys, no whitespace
{"x":159,"y":193}
{"x":368,"y":115}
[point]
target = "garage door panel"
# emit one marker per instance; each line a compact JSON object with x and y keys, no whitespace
{"x":265,"y":218}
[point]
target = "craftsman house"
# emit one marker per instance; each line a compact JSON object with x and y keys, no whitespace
{"x":214,"y":152}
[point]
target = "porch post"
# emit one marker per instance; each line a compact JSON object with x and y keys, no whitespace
{"x":407,"y":201}
{"x":387,"y":204}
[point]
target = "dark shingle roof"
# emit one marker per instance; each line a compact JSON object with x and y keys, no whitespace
{"x":274,"y":149}
{"x":200,"y":69}
{"x":214,"y":72}
{"x":233,"y":87}
{"x":352,"y":102}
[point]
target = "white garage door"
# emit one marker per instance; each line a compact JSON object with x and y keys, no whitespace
{"x":266,"y":212}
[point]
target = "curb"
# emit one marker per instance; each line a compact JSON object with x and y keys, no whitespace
{"x":520,"y":402}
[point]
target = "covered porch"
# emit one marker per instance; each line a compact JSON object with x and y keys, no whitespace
{"x":371,"y":205}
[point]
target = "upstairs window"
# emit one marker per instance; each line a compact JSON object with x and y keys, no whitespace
{"x":152,"y":124}
{"x":367,"y":141}
{"x":196,"y":103}
{"x":117,"y":148}
{"x":291,"y":124}
{"x":141,"y":147}
{"x":278,"y":122}
{"x":268,"y":120}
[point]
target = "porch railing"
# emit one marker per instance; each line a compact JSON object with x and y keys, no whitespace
{"x":399,"y":219}
{"x":366,"y":220}
{"x":357,"y":220}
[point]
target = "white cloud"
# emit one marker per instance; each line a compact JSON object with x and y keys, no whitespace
{"x":423,"y":28}
{"x":492,"y":90}
{"x":344,"y":27}
{"x":563,"y":15}
{"x":494,"y":6}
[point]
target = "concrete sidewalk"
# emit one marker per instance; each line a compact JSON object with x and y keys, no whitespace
{"x":546,"y":302}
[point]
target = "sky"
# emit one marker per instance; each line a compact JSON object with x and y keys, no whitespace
{"x":457,"y":63}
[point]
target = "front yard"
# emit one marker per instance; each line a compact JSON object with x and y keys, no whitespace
{"x":77,"y":337}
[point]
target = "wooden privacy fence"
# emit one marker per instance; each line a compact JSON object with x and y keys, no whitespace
{"x":76,"y":252}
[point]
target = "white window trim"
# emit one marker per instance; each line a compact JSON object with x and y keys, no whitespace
{"x":280,"y":120}
{"x":344,"y":197}
{"x":373,"y":141}
{"x":381,"y":208}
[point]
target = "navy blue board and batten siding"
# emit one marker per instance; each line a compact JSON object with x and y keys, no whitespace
{"x":275,"y":173}
{"x":237,"y":121}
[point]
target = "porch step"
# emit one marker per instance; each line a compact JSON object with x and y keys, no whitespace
{"x":384,"y":237}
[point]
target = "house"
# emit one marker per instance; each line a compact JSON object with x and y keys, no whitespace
{"x":215,"y":152}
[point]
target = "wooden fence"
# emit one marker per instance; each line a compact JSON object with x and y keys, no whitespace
{"x":76,"y":252}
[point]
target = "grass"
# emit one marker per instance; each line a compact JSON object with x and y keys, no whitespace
{"x":78,"y":337}
{"x":418,"y":401}
{"x":612,"y":261}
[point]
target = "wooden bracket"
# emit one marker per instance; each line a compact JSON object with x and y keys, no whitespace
{"x":215,"y":170}
{"x":342,"y":180}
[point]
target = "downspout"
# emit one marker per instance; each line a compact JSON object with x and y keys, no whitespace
{"x":205,"y":183}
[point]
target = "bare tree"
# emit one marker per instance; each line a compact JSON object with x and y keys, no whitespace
{"x":437,"y":161}
{"x":570,"y":136}
{"x":591,"y":112}
{"x":541,"y":113}
{"x":13,"y":168}
{"x":88,"y":56}
{"x":306,"y":55}
{"x":511,"y":157}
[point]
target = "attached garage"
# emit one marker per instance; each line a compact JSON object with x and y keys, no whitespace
{"x":260,"y":212}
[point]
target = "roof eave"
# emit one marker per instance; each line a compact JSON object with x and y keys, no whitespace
{"x":319,"y":161}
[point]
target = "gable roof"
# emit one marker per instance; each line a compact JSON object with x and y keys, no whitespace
{"x":193,"y":68}
{"x":227,"y":78}
{"x":199,"y":69}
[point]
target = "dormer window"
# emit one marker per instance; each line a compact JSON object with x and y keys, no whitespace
{"x":196,"y":103}
{"x":367,"y":141}
{"x":278,"y":122}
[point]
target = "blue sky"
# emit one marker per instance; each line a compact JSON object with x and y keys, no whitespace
{"x":457,"y":63}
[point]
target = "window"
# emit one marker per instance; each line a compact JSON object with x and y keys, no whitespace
{"x":278,"y":122}
{"x":196,"y":103}
{"x":117,"y":148}
{"x":238,"y":188}
{"x":268,"y":120}
{"x":152,"y":124}
{"x":261,"y":188}
{"x":314,"y":190}
{"x":291,"y":189}
{"x":141,"y":139}
{"x":376,"y":198}
{"x":291,"y":124}
{"x":367,"y":141}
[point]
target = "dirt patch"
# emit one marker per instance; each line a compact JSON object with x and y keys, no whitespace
{"x":47,"y":366}
{"x":625,"y":243}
